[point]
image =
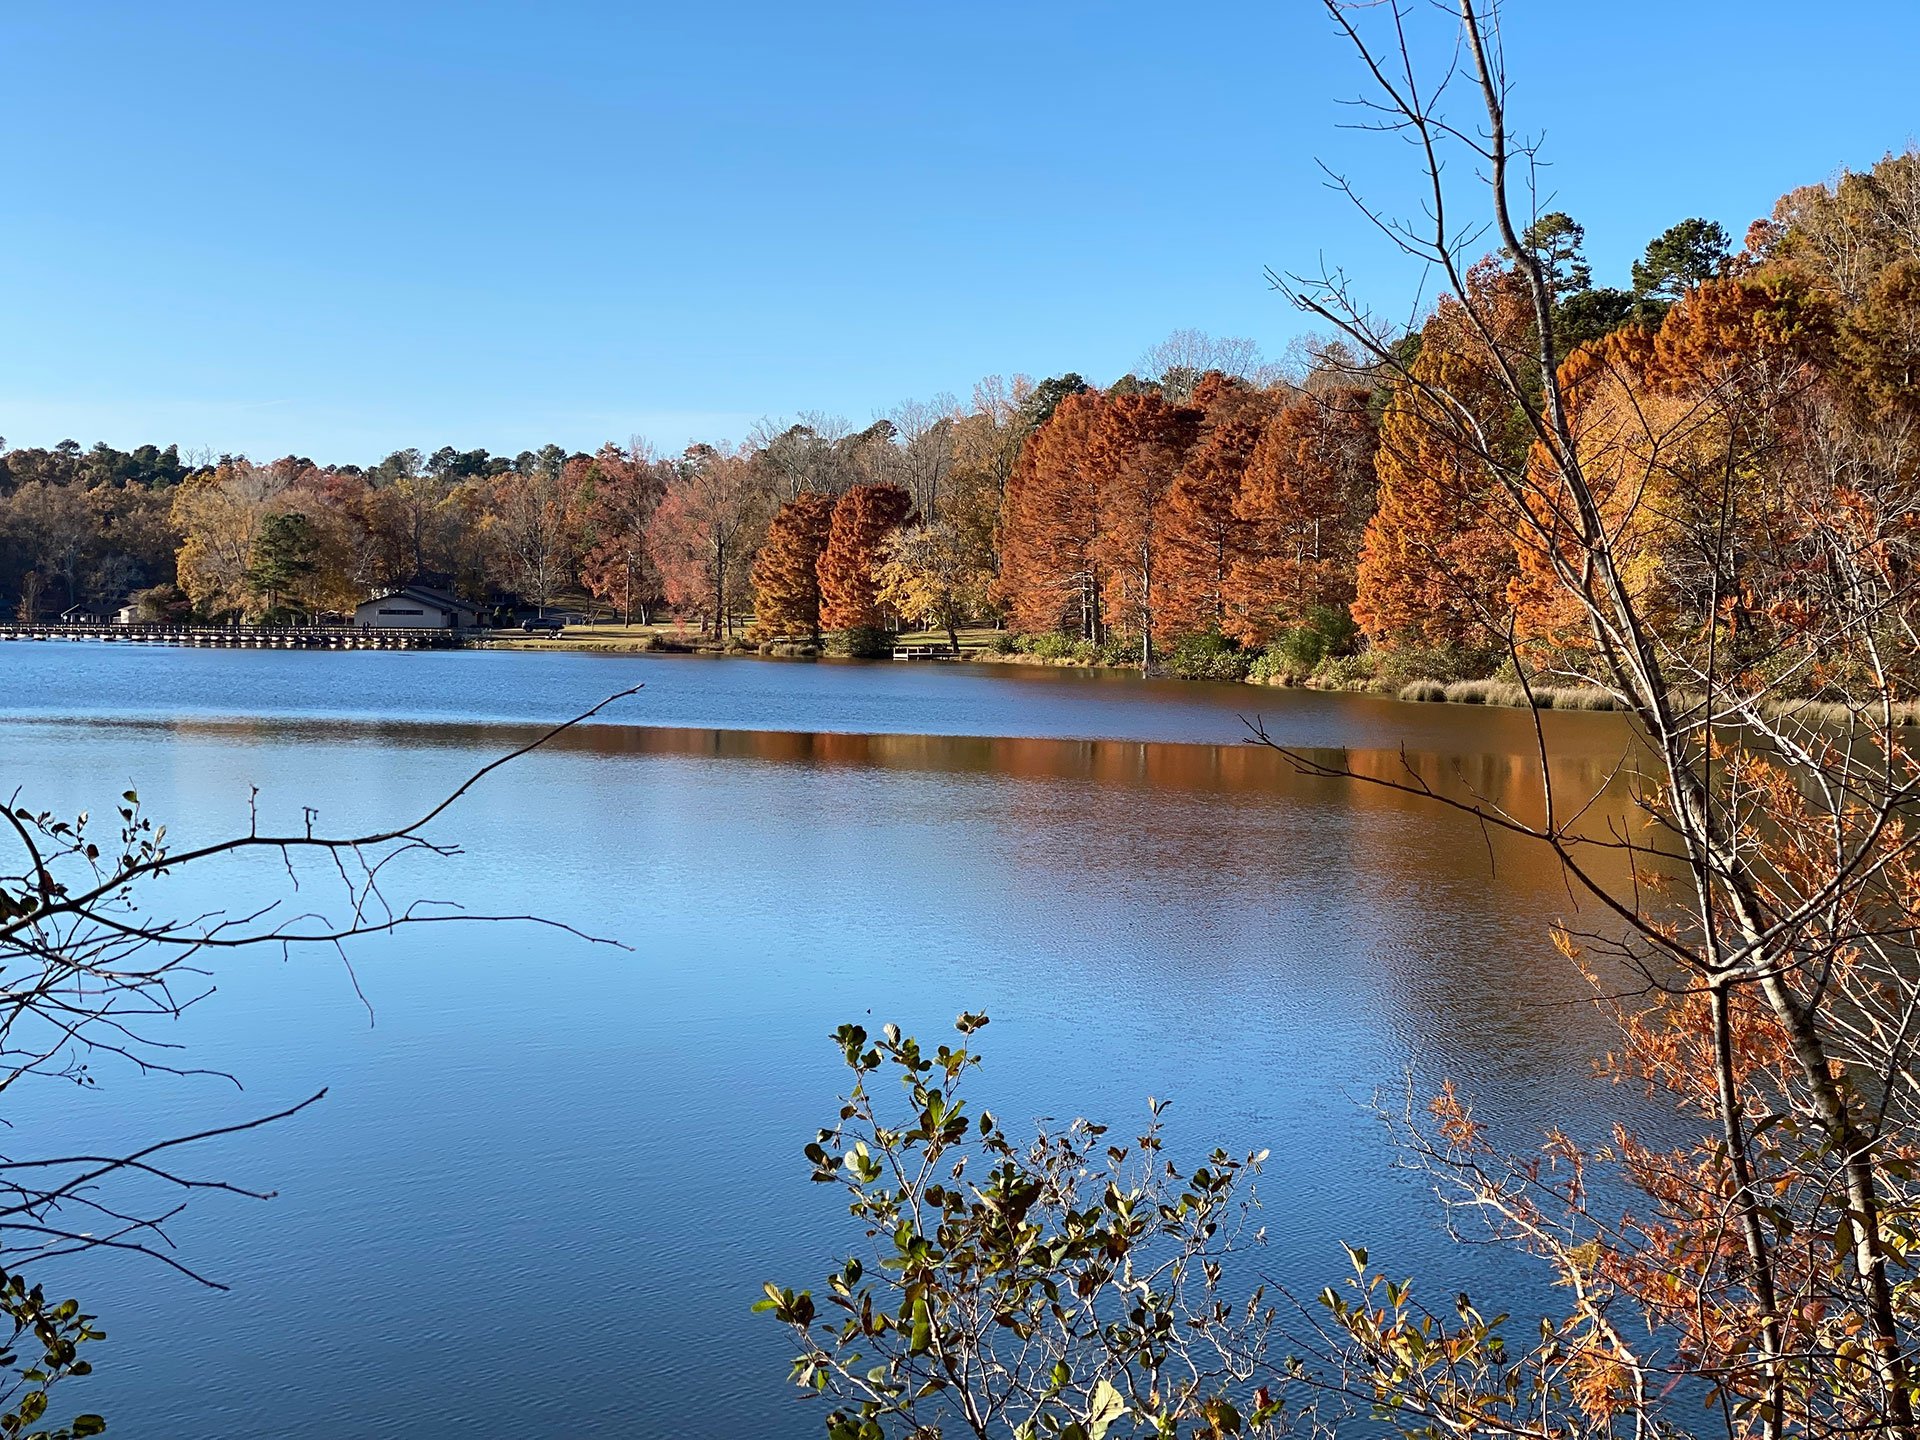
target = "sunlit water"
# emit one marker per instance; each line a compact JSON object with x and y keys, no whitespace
{"x":549,"y":1177}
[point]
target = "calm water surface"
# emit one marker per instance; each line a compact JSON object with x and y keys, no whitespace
{"x":548,"y":1178}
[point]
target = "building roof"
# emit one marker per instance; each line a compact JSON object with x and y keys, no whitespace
{"x":427,"y":593}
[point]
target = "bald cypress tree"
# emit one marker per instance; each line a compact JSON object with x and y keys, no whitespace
{"x":1049,"y":522}
{"x":786,"y":579}
{"x":863,"y":518}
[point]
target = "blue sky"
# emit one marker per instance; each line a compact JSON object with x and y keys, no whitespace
{"x":339,"y":229}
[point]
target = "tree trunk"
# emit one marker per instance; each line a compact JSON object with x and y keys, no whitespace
{"x":1747,"y":1201}
{"x":1146,"y":613}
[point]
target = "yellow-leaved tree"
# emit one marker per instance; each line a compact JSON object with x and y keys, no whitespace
{"x":930,"y":576}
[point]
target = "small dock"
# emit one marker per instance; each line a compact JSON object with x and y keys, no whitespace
{"x":923,"y":652}
{"x":244,"y":637}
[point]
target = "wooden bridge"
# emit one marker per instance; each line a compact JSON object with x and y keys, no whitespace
{"x":923,"y":652}
{"x":244,"y":637}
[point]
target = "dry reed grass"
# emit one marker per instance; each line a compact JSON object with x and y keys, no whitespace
{"x":1508,"y":695}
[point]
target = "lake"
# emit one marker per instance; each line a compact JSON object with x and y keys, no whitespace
{"x":549,"y":1177}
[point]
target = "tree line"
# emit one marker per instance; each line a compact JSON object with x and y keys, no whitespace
{"x":1208,"y":510}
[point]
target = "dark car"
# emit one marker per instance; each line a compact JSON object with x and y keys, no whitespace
{"x":551,"y":623}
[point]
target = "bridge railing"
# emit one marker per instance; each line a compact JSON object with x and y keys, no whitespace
{"x":154,"y":629}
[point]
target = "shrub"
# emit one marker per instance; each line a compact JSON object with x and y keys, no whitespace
{"x":1209,"y":655}
{"x":867,"y":643}
{"x":1047,"y":1233}
{"x":1335,"y":625}
{"x":1005,"y":643}
{"x":1268,"y":669}
{"x":1325,"y":631}
{"x":1403,"y":664}
{"x":1299,"y":650}
{"x":1051,"y":646}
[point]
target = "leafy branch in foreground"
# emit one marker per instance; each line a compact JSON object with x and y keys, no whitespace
{"x":88,"y":966}
{"x":1063,"y":1286}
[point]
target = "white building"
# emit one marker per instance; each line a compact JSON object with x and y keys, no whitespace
{"x":415,"y":607}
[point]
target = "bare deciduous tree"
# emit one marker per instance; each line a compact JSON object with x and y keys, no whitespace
{"x":1773,"y":909}
{"x":1179,"y":361}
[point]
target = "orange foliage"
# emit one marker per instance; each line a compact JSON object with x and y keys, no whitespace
{"x":849,"y":587}
{"x":1880,"y":341}
{"x":1049,"y":576}
{"x":624,"y":489}
{"x":701,"y":535}
{"x":1682,"y":437}
{"x":1205,"y":534}
{"x":1134,"y":449}
{"x":786,"y":581}
{"x":1303,"y":508}
{"x":1439,"y":551}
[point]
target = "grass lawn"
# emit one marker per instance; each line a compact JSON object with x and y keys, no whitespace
{"x":581,"y":637}
{"x":975,"y":639}
{"x":617,"y":637}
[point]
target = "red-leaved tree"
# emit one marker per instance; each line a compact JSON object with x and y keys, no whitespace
{"x":701,"y":535}
{"x":625,"y":489}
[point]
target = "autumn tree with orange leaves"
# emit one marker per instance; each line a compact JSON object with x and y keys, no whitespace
{"x":1134,"y":451}
{"x":703,"y":534}
{"x":1307,"y":492}
{"x":1050,"y":575}
{"x":849,"y":567}
{"x":1439,"y":551}
{"x":1205,"y":534}
{"x":786,"y":578}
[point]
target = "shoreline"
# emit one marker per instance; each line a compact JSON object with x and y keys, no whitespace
{"x":649,"y":639}
{"x":1461,"y":692}
{"x":1497,"y":694}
